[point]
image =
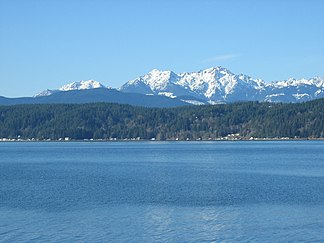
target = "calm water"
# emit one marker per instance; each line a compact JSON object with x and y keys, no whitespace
{"x":162,"y":192}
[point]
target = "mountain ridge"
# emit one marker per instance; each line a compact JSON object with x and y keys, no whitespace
{"x":79,"y":85}
{"x":95,"y":96}
{"x":218,"y":84}
{"x":207,"y":86}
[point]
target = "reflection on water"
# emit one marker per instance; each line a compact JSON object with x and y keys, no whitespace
{"x":256,"y":223}
{"x":162,"y":192}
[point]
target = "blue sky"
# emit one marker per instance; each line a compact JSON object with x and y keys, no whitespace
{"x":45,"y":44}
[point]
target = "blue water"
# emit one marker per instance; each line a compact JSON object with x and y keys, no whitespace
{"x":249,"y":191}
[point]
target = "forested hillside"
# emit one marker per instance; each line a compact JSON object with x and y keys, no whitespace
{"x":107,"y":121}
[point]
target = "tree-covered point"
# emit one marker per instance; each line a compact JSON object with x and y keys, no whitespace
{"x":106,"y":121}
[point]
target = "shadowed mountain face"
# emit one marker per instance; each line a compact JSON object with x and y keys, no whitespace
{"x":96,"y":95}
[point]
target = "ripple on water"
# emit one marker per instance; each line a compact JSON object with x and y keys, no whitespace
{"x":165,"y":192}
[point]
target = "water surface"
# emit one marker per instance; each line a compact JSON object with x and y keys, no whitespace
{"x":251,"y":191}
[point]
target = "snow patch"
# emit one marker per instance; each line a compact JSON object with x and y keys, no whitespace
{"x":300,"y":96}
{"x":194,"y":102}
{"x":167,"y":94}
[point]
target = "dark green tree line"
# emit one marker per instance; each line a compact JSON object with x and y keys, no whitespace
{"x":104,"y":121}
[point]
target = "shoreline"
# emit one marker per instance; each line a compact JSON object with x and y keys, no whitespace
{"x":155,"y":140}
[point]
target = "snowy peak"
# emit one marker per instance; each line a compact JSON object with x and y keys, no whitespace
{"x":215,"y":81}
{"x":212,"y":84}
{"x":156,"y":80}
{"x":317,"y":81}
{"x":81,"y":85}
{"x":46,"y":92}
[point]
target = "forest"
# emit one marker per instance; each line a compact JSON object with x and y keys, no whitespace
{"x":109,"y":121}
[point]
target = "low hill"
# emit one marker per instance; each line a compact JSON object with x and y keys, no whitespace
{"x":108,"y":121}
{"x":96,"y":95}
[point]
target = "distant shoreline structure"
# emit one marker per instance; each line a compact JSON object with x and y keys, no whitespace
{"x":225,"y":139}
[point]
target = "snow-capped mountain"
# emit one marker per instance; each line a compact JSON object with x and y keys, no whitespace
{"x":218,"y":84}
{"x":212,"y":85}
{"x":89,"y":84}
{"x":295,"y":90}
{"x":157,"y":83}
{"x":47,"y":92}
{"x":80,"y":85}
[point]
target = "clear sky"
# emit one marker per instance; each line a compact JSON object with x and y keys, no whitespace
{"x":46,"y":44}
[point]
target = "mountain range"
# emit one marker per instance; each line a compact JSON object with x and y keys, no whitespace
{"x":167,"y":89}
{"x":219,"y":85}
